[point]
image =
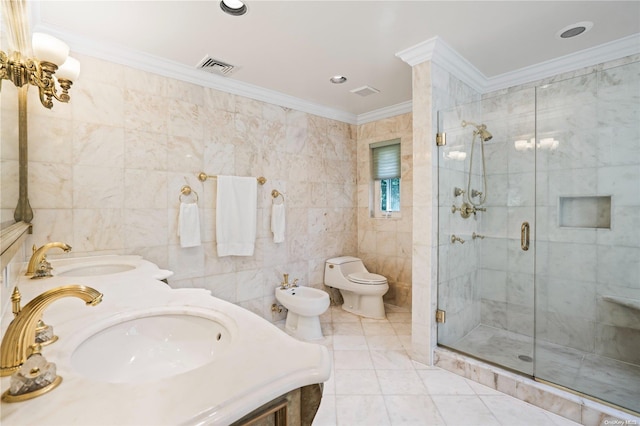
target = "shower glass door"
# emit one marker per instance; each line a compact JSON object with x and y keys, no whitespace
{"x":485,"y":267}
{"x":588,"y":238}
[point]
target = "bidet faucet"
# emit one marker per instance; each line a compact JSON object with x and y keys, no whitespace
{"x":19,"y":340}
{"x":285,"y":283}
{"x":38,"y":261}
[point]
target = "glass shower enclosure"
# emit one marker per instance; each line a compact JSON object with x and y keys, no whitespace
{"x":539,"y":232}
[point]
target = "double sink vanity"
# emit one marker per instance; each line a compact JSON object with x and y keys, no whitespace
{"x":147,"y":354}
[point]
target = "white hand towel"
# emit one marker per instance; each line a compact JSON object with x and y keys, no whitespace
{"x":278,"y":222}
{"x":236,"y":215}
{"x":189,"y":225}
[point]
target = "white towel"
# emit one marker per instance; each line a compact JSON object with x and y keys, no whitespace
{"x":278,"y":222}
{"x":189,"y":225}
{"x":236,"y":215}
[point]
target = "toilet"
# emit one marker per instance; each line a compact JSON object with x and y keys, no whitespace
{"x":361,"y":290}
{"x":304,"y":307}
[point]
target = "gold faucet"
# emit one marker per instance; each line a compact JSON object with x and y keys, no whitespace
{"x":285,"y":284}
{"x":38,"y":259}
{"x":19,"y":339}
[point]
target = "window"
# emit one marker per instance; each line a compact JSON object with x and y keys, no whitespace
{"x":385,"y":171}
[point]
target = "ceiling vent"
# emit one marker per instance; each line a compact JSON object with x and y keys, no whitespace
{"x":215,"y":66}
{"x":365,"y":91}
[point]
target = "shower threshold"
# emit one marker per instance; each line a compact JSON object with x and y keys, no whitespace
{"x":501,"y":351}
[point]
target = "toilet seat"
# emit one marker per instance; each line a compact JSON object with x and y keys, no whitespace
{"x":367,"y":278}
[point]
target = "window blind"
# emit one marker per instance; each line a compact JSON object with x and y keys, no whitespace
{"x":386,"y":162}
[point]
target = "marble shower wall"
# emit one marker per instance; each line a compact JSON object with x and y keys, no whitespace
{"x":106,"y":172}
{"x":587,"y":276}
{"x":384,"y":245}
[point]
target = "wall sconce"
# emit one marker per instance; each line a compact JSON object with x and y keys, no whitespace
{"x":53,"y":64}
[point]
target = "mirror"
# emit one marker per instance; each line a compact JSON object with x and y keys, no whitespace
{"x":14,"y":221}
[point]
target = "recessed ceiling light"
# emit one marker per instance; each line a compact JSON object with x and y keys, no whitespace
{"x":574,"y":30}
{"x":338,"y":79}
{"x":233,"y":7}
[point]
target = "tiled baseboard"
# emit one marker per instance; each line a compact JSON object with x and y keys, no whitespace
{"x":574,"y":407}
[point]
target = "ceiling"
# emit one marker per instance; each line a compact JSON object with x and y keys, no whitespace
{"x":293,"y":47}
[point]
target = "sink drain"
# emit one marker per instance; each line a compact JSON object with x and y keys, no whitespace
{"x":525,"y":358}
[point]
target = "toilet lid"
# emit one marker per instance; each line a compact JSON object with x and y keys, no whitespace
{"x":367,"y":278}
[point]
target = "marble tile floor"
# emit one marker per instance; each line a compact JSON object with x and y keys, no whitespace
{"x":375,"y":383}
{"x":602,"y":377}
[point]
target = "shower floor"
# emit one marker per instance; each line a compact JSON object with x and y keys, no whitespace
{"x":613,"y":381}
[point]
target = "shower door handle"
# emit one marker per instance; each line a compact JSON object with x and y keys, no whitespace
{"x":524,"y":236}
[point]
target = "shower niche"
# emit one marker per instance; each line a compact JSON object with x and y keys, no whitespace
{"x":560,"y":178}
{"x":585,"y":212}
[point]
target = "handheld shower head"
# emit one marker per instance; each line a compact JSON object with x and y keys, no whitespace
{"x":481,"y":129}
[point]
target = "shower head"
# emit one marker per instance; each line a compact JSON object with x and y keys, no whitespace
{"x":481,"y":129}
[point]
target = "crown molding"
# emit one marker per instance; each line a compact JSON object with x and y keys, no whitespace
{"x":605,"y":52}
{"x":439,"y":52}
{"x":386,"y":112}
{"x":145,"y":62}
{"x":434,"y":49}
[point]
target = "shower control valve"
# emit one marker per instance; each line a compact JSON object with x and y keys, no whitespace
{"x":458,"y":191}
{"x":475,"y":193}
{"x":466,"y":210}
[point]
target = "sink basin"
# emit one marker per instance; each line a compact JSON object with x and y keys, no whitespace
{"x":150,"y":348}
{"x":93,"y":270}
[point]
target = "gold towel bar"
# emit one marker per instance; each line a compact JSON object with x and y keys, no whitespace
{"x":203,"y":177}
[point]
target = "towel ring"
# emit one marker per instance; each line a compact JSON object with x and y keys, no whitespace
{"x":275,"y":194}
{"x":186,"y":191}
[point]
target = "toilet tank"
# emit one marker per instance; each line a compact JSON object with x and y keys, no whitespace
{"x":346,"y":264}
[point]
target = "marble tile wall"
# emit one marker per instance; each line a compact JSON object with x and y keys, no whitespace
{"x":434,"y":89}
{"x":595,"y":118}
{"x":106,"y":172}
{"x":385,"y":245}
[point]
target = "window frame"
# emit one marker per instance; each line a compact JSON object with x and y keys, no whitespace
{"x":376,"y":186}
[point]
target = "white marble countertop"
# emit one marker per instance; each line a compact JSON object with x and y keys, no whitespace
{"x":262,"y":363}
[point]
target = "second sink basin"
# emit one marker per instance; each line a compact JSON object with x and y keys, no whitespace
{"x":151,"y":347}
{"x":99,"y":269}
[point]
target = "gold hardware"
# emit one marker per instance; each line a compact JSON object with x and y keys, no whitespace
{"x":330,"y":266}
{"x":285,"y":283}
{"x":275,"y":194}
{"x":455,"y":238}
{"x":38,"y":259}
{"x":40,"y":328}
{"x":186,"y":191}
{"x":23,"y":211}
{"x":15,"y":301}
{"x":524,"y":236}
{"x":467,"y":210}
{"x":7,"y":397}
{"x":440,"y":316}
{"x":20,"y":335}
{"x":441,"y":139}
{"x":474,"y":236}
{"x":457,"y":192}
{"x":23,"y":71}
{"x":203,"y":177}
